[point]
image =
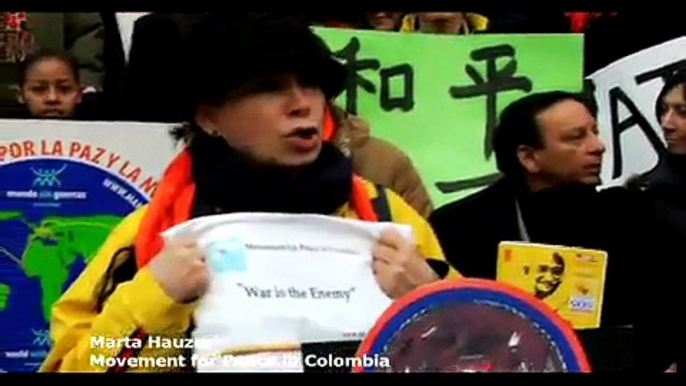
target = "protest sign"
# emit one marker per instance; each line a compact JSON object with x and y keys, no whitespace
{"x":63,"y":187}
{"x":470,"y":326}
{"x":437,"y":97}
{"x":282,"y":280}
{"x":626,"y":92}
{"x":569,"y":280}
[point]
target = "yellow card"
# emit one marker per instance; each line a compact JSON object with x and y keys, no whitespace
{"x":570,"y":280}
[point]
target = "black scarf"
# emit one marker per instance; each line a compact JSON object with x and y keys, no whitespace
{"x":677,"y":163}
{"x":227,"y":181}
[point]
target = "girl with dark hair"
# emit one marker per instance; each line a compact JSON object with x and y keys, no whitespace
{"x":49,"y":84}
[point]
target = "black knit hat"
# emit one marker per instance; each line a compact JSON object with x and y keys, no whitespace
{"x":224,"y":52}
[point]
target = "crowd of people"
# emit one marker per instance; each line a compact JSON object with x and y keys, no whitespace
{"x":260,"y":116}
{"x":136,"y":85}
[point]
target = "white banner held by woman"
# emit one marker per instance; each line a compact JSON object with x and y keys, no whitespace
{"x":281,"y":280}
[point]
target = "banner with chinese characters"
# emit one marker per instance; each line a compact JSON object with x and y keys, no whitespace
{"x":437,"y":97}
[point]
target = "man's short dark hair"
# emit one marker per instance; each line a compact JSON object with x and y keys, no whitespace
{"x":517,"y":126}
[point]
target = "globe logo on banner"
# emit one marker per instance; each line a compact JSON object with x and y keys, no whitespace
{"x":47,"y":177}
{"x":54,"y":215}
{"x":228,"y":255}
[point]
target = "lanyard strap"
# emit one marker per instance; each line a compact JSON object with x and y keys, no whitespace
{"x":523,"y":233}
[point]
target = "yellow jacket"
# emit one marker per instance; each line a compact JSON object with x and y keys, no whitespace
{"x":78,"y":329}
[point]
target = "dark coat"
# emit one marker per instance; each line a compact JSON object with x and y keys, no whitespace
{"x":665,"y":187}
{"x":615,"y":220}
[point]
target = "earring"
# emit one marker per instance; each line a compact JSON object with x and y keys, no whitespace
{"x":215,"y":133}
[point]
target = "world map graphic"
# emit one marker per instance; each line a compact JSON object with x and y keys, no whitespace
{"x":55,"y":213}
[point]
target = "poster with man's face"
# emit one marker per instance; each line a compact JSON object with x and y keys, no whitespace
{"x":569,"y":280}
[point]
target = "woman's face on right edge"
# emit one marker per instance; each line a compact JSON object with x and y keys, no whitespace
{"x":673,"y":120}
{"x":276,"y":119}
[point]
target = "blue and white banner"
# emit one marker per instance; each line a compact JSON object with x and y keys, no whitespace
{"x":63,"y":187}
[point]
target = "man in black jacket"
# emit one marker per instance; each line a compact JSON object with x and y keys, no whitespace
{"x":548,"y":149}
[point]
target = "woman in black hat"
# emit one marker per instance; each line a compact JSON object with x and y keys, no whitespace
{"x":256,"y":94}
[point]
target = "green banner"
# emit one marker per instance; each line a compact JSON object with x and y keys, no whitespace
{"x":437,"y":97}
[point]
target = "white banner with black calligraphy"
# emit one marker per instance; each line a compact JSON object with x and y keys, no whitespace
{"x":626,"y":93}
